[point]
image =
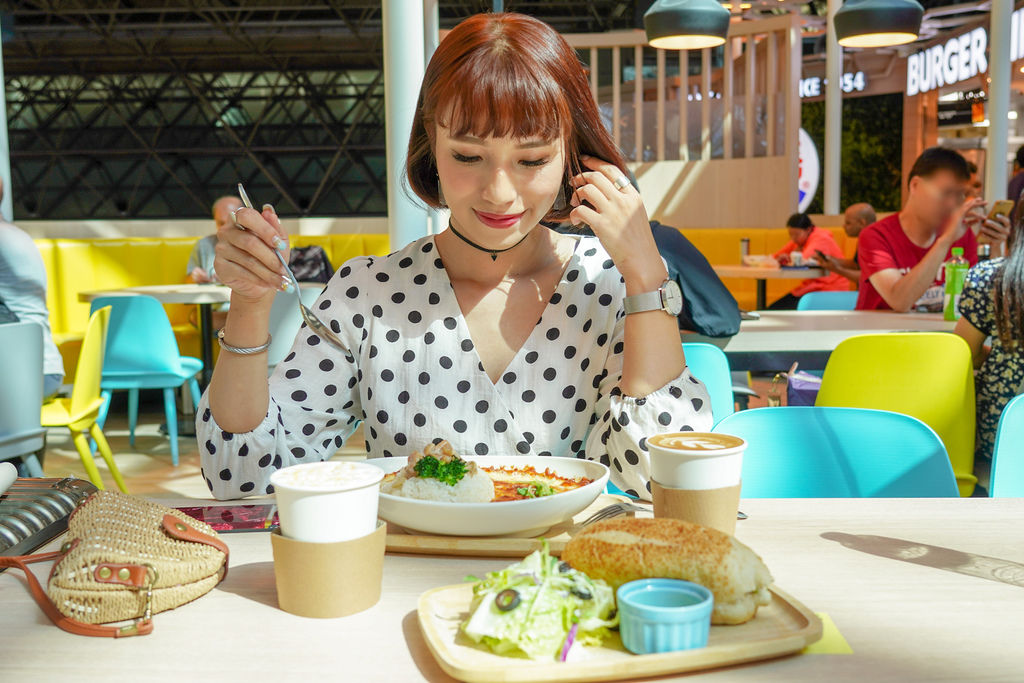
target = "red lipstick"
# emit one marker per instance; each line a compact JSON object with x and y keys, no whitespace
{"x":498,"y":220}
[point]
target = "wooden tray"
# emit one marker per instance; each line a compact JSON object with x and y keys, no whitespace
{"x":401,"y":541}
{"x":783,"y":627}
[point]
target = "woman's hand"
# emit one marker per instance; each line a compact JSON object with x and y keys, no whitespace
{"x":245,"y":258}
{"x":619,"y":219}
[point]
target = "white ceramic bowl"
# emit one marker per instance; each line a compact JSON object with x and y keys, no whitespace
{"x":514,"y":517}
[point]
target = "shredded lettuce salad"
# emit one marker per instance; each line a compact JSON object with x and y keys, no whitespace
{"x":540,"y":608}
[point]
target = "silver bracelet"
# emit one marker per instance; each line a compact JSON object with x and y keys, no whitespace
{"x":242,"y":351}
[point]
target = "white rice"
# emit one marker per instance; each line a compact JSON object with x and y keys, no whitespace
{"x":473,"y":488}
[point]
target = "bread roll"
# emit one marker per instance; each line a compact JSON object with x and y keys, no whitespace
{"x":626,"y":549}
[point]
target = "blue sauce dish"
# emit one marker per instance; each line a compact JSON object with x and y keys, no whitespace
{"x":663,"y":615}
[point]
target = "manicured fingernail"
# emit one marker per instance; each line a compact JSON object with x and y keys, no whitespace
{"x":279,"y":244}
{"x":286,"y":285}
{"x":269,"y":206}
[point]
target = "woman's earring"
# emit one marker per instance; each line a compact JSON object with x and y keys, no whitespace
{"x":440,"y":195}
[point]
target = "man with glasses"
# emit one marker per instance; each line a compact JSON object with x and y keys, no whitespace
{"x":902,"y":256}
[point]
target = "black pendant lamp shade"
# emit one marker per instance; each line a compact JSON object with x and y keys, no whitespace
{"x":878,"y":23}
{"x":686,"y":24}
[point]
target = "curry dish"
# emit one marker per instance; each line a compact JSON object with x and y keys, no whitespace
{"x":520,"y":483}
{"x":510,"y":483}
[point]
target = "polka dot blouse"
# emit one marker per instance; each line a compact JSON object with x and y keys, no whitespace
{"x":411,"y":375}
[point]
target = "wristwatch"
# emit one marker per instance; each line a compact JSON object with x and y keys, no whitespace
{"x":668,"y":298}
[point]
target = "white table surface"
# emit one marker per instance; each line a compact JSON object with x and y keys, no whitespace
{"x":185,"y":293}
{"x":751,"y":272}
{"x":823,"y":330}
{"x":904,"y":621}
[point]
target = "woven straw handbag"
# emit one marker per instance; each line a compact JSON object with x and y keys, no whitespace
{"x":125,"y":558}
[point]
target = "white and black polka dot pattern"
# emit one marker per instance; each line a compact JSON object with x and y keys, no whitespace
{"x":412,"y":375}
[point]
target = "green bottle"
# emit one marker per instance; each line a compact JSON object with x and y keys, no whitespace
{"x":956,"y":274}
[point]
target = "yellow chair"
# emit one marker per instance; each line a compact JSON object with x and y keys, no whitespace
{"x":79,"y":412}
{"x":925,"y":375}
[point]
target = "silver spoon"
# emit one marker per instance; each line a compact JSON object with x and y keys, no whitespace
{"x":314,"y":323}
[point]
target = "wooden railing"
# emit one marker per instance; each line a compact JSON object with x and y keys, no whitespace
{"x":682,"y":130}
{"x":764,"y":54}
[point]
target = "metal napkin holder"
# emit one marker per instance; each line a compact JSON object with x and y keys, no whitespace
{"x":33,"y":512}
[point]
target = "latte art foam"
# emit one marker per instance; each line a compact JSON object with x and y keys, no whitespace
{"x":695,"y":441}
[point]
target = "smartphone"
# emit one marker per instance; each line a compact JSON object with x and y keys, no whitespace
{"x":1000,"y":207}
{"x":234,"y":518}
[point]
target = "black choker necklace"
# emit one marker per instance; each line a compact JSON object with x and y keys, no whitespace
{"x":493,"y":252}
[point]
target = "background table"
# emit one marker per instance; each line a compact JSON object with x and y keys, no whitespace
{"x":763,"y":274}
{"x":904,"y":621}
{"x":779,"y":338}
{"x":205,"y":296}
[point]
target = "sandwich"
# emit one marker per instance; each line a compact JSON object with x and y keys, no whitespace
{"x":625,"y":549}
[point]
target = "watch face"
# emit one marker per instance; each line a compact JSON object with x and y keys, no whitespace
{"x":672,"y":297}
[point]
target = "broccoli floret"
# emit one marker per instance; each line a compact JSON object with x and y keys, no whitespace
{"x":536,"y":489}
{"x":451,"y":472}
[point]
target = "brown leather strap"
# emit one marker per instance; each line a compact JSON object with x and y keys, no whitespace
{"x":67,"y":623}
{"x":185,"y":532}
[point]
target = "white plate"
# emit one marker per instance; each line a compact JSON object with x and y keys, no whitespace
{"x":532,"y":516}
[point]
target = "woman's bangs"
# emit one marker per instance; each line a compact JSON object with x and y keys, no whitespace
{"x":484,"y":99}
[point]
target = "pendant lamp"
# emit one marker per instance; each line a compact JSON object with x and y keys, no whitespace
{"x":878,"y":23}
{"x":686,"y":24}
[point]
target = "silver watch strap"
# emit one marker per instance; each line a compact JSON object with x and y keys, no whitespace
{"x":242,"y":350}
{"x":640,"y":303}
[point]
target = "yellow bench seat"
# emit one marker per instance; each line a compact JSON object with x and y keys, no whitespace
{"x":80,"y":265}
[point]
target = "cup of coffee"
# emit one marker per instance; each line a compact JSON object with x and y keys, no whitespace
{"x":695,"y":476}
{"x":329,"y":551}
{"x":327,"y":502}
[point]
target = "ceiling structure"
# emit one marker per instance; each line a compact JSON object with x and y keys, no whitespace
{"x":153,"y":108}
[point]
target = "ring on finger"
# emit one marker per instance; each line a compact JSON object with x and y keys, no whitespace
{"x":621,"y":182}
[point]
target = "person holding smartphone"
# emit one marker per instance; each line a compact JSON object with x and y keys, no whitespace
{"x":807,"y":241}
{"x":855,"y":219}
{"x":902,"y":255}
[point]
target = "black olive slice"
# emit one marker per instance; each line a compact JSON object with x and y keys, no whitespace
{"x":507,"y":600}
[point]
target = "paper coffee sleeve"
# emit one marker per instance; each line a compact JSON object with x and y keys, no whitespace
{"x":715,"y":508}
{"x":326,"y":580}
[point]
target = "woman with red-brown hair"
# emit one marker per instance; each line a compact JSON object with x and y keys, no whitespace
{"x":498,"y":334}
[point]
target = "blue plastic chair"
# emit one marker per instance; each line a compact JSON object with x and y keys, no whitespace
{"x":285,"y":321}
{"x":1008,"y":456}
{"x":827,"y":301}
{"x":142,"y":353}
{"x":21,"y":395}
{"x":815,"y":452}
{"x":708,"y":363}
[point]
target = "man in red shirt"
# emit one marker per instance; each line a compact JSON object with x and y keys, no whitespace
{"x":902,"y":256}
